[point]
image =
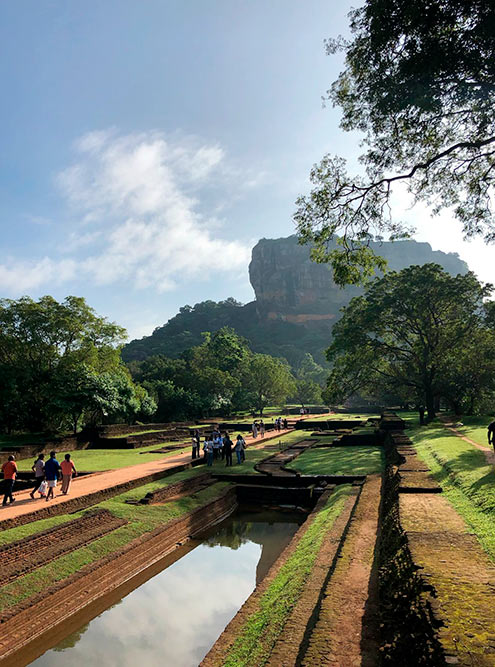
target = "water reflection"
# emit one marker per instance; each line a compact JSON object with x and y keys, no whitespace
{"x":175,"y":617}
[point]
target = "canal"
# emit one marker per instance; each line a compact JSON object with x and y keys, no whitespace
{"x":175,"y":617}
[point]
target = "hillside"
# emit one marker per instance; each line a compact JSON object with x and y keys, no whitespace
{"x":296,"y":302}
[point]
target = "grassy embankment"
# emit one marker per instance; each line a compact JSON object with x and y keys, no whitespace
{"x":467,"y":480}
{"x":141,"y":519}
{"x":257,"y":637}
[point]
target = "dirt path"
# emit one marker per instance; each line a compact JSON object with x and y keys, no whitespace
{"x":487,"y":451}
{"x":346,"y":633}
{"x":82,"y":486}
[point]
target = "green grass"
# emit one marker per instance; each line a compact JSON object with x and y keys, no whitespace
{"x":348,"y":460}
{"x":257,"y":637}
{"x":92,"y":460}
{"x":141,"y":519}
{"x":467,"y":480}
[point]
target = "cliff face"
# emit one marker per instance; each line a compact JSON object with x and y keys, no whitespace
{"x":290,"y":287}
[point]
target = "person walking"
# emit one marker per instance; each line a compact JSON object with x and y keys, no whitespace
{"x":239,"y":448}
{"x":254,"y":429}
{"x":262,"y":428}
{"x":39,"y":473}
{"x":9,"y":470}
{"x":52,"y":467}
{"x":491,"y":434}
{"x":68,"y":469}
{"x":227,"y":449}
{"x":195,"y":444}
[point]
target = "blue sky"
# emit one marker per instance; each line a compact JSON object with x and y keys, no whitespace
{"x":148,"y":144}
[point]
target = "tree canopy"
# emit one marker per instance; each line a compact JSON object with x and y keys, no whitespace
{"x":60,"y":360}
{"x":419,"y":83}
{"x":419,"y":333}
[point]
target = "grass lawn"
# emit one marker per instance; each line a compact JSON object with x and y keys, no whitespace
{"x":92,"y":460}
{"x":257,"y":637}
{"x":348,"y":460}
{"x":468,"y":482}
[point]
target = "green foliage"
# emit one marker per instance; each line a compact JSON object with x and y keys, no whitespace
{"x":419,"y":83}
{"x":269,"y":379}
{"x":60,"y":361}
{"x":221,"y":374}
{"x":412,"y":331}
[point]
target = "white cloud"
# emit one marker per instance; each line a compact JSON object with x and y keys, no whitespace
{"x":136,"y":186}
{"x":137,"y":215}
{"x":20,"y":277}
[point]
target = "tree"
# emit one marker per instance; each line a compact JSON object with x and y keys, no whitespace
{"x":269,"y":379}
{"x":52,"y":357}
{"x":307,"y":392}
{"x":419,"y":82}
{"x":404,"y":332}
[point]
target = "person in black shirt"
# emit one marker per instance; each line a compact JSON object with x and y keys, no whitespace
{"x":227,"y":449}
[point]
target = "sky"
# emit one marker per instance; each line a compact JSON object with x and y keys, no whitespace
{"x":146,"y":145}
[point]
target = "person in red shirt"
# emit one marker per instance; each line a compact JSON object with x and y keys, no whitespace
{"x":9,"y":470}
{"x":67,"y":469}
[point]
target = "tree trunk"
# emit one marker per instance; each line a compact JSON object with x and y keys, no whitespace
{"x":430,"y":404}
{"x":421,"y":411}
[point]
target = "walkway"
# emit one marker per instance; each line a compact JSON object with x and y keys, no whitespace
{"x":84,"y":485}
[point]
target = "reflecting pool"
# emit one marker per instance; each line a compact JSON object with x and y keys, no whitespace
{"x":175,"y":617}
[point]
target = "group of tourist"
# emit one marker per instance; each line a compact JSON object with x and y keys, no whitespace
{"x":258,"y":427}
{"x":216,"y":446}
{"x":46,"y":474}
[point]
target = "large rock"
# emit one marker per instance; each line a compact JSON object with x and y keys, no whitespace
{"x":292,"y":288}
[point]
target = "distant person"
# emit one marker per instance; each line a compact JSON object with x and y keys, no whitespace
{"x":209,"y":452}
{"x":196,"y":443}
{"x":39,"y":473}
{"x":9,"y":470}
{"x":227,"y":449}
{"x":68,"y":469}
{"x":262,"y":428}
{"x":52,"y":467}
{"x":301,"y":411}
{"x":491,"y":434}
{"x":217,"y":445}
{"x":239,"y":447}
{"x":284,"y":424}
{"x":254,"y":429}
